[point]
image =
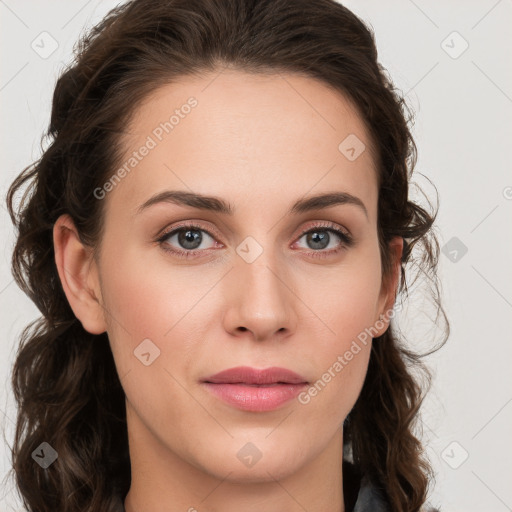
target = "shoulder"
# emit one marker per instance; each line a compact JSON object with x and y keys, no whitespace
{"x":364,"y":495}
{"x":360,"y":493}
{"x":370,"y":498}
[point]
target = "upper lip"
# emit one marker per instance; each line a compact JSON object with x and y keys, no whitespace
{"x":249,"y":375}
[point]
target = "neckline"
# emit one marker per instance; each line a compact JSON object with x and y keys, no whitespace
{"x":351,"y":485}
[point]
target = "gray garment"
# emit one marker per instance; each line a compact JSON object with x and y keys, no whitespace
{"x":371,"y":499}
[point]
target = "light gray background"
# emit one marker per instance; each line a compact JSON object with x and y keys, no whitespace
{"x":463,"y":131}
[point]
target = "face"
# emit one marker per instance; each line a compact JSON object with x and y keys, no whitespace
{"x":189,"y":291}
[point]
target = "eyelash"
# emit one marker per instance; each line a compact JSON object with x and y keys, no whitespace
{"x":346,"y":238}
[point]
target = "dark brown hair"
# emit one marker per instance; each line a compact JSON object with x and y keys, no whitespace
{"x":65,"y":382}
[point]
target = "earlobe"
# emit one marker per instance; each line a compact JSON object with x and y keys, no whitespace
{"x":78,"y":275}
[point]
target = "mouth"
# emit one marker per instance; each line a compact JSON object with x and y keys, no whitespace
{"x":254,"y":376}
{"x":251,"y":389}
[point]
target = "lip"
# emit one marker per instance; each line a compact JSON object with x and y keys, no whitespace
{"x":256,"y":390}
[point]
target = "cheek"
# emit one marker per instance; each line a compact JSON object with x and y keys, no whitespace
{"x":144,"y":302}
{"x":343,"y":302}
{"x":147,"y":303}
{"x":342,"y":312}
{"x":148,"y":300}
{"x":169,"y":307}
{"x":341,"y":366}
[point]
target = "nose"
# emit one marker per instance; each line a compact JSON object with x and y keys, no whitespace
{"x":261,"y":304}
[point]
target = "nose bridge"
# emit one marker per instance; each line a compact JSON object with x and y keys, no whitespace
{"x":260,"y":300}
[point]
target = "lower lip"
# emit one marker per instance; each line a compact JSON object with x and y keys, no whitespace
{"x":255,"y":398}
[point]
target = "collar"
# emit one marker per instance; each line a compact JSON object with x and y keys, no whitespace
{"x":360,"y":493}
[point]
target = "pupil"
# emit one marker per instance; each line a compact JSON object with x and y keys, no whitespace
{"x":190,"y":239}
{"x":319,"y":239}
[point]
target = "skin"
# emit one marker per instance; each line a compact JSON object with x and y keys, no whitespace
{"x":259,"y":142}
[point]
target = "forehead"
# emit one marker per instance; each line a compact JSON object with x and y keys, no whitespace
{"x":248,"y":138}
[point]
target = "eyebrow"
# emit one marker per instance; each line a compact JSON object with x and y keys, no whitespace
{"x":218,"y":205}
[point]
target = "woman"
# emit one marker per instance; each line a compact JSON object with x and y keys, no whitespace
{"x":216,"y":237}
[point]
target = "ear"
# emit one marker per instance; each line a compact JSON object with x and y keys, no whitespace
{"x":389,"y":287}
{"x":78,"y":275}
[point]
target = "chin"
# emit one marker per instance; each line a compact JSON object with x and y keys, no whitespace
{"x":247,"y":464}
{"x":262,"y":472}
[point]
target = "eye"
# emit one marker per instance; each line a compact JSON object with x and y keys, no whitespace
{"x":188,"y":238}
{"x":320,"y":237}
